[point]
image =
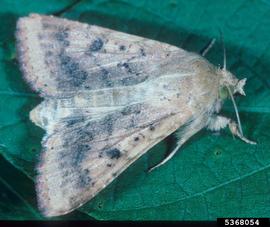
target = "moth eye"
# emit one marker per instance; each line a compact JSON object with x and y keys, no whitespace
{"x":223,"y":93}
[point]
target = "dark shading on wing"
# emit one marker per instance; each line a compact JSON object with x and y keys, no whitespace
{"x":60,"y":57}
{"x":82,"y":158}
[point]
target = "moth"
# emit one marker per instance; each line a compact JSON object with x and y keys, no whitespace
{"x":108,"y":98}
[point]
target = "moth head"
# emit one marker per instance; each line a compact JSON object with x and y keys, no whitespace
{"x":230,"y":86}
{"x":230,"y":82}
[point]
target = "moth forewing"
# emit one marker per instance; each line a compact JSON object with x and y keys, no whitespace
{"x":108,"y":98}
{"x":90,"y":175}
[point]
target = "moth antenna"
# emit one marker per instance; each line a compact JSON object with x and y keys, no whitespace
{"x":208,"y":47}
{"x":236,"y":111}
{"x":224,"y":58}
{"x":224,"y":52}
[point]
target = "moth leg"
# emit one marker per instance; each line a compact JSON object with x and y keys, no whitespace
{"x":183,"y":137}
{"x":220,"y":122}
{"x":167,"y":158}
{"x":206,"y":49}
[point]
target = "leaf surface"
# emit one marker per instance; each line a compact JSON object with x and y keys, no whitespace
{"x":213,"y":175}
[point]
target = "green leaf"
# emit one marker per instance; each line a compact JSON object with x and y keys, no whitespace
{"x":213,"y":175}
{"x":16,"y":195}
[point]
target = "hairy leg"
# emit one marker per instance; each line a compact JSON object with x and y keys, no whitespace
{"x":220,"y":122}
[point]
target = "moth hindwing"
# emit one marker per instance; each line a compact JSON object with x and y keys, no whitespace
{"x":108,"y":98}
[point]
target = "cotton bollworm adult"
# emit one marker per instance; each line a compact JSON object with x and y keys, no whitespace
{"x":108,"y":98}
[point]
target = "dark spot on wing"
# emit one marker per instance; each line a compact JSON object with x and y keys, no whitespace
{"x":46,"y":25}
{"x":85,"y":134}
{"x":125,"y":66}
{"x":66,"y":172}
{"x":122,"y":47}
{"x":96,"y":45}
{"x":104,"y":75}
{"x":79,"y":153}
{"x":73,"y":201}
{"x":46,"y":61}
{"x":152,"y":128}
{"x":73,"y":121}
{"x":66,"y":43}
{"x":132,"y":123}
{"x":132,"y":80}
{"x":142,"y":52}
{"x":113,"y":153}
{"x":48,"y":53}
{"x":73,"y":154}
{"x":84,"y":179}
{"x":132,"y":109}
{"x":65,"y":179}
{"x":166,"y":86}
{"x":62,"y":37}
{"x":107,"y":124}
{"x":109,"y":165}
{"x":72,"y":71}
{"x":71,"y":165}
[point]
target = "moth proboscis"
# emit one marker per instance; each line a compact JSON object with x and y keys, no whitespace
{"x":108,"y":98}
